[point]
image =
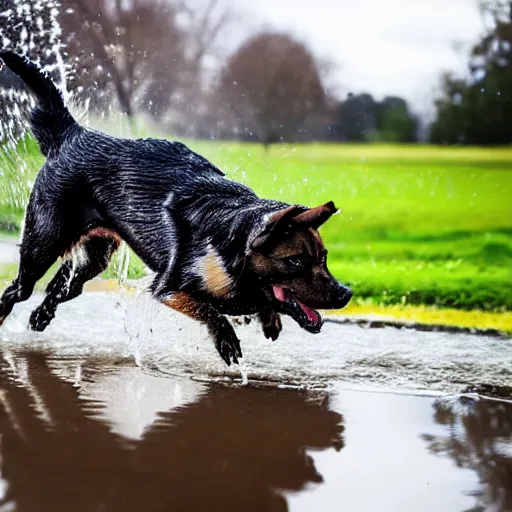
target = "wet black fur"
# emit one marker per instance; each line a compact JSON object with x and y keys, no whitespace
{"x":165,"y":201}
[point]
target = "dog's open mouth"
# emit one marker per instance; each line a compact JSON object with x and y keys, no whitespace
{"x":306,"y":317}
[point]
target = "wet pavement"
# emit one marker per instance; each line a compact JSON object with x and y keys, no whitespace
{"x":165,"y":343}
{"x":9,"y":252}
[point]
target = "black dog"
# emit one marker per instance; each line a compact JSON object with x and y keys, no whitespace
{"x":215,"y":247}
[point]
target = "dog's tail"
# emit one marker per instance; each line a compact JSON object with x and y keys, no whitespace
{"x":50,"y":120}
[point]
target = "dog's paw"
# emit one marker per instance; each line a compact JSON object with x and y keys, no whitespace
{"x":39,"y":320}
{"x":272,"y":325}
{"x":228,"y":346}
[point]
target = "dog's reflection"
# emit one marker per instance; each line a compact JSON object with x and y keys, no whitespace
{"x":478,"y":437}
{"x":233,"y":449}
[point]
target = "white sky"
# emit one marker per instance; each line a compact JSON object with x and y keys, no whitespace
{"x":382,"y":47}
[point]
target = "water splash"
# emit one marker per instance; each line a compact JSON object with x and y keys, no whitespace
{"x":43,"y":44}
{"x":32,"y":28}
{"x":166,"y":343}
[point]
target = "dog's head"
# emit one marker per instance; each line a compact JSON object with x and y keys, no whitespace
{"x":290,"y":261}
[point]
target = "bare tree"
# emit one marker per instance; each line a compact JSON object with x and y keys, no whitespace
{"x":273,"y":84}
{"x":136,"y":46}
{"x":206,"y":22}
{"x":145,"y":52}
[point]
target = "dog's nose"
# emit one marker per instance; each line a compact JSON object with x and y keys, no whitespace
{"x":343,"y":297}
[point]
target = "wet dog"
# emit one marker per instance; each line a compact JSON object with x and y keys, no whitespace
{"x":215,"y":247}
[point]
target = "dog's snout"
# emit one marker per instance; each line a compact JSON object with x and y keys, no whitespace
{"x":343,"y":297}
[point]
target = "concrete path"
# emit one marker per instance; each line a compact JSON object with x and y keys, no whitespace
{"x":9,"y":252}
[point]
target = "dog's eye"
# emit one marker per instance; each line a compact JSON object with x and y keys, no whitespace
{"x":295,"y":261}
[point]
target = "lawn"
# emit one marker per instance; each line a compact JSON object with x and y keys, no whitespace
{"x":419,"y":224}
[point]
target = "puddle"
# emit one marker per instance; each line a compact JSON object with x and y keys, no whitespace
{"x":96,"y":433}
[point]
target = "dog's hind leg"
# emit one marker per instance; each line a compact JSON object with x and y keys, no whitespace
{"x":43,"y":242}
{"x":224,"y":336}
{"x":90,"y":257}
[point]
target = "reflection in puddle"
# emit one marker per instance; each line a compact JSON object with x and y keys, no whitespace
{"x":82,"y":434}
{"x":385,"y":464}
{"x":133,"y":399}
{"x":211,"y":447}
{"x":478,"y":435}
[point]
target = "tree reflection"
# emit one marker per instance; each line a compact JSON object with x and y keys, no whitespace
{"x":233,"y":449}
{"x":479,"y":437}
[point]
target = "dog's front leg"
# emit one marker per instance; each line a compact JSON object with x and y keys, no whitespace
{"x":271,"y":323}
{"x":224,"y":337}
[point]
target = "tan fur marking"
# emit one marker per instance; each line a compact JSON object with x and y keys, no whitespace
{"x":211,"y":268}
{"x":184,"y":303}
{"x":105,"y":233}
{"x":102,"y":232}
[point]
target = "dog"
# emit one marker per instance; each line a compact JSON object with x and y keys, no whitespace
{"x":215,"y":247}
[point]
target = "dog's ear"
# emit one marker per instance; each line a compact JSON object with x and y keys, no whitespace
{"x":273,"y":224}
{"x":315,"y":217}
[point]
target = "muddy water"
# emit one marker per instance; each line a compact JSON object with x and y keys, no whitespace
{"x":97,"y":433}
{"x":122,"y":405}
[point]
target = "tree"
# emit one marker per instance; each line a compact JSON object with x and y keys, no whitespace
{"x":144,"y":52}
{"x":272,"y":83}
{"x":362,"y":119}
{"x":395,"y":123}
{"x":358,"y":118}
{"x":449,"y":126}
{"x":478,"y":109}
{"x":137,"y":46}
{"x":472,"y":434}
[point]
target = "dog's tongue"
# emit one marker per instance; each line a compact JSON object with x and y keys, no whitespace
{"x":280,"y":293}
{"x":313,"y":316}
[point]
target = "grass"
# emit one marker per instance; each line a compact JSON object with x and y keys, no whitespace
{"x":420,"y":224}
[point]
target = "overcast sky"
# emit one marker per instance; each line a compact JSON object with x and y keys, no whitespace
{"x":382,"y":47}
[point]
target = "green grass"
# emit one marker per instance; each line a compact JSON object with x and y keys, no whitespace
{"x":420,"y":224}
{"x":18,"y":168}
